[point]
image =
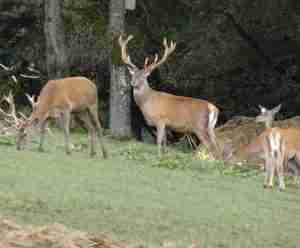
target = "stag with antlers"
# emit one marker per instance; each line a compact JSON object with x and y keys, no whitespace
{"x":163,"y":110}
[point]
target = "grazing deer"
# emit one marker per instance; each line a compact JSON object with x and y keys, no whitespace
{"x":61,"y":97}
{"x":163,"y":110}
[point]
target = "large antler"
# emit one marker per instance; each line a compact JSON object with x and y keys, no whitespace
{"x":168,"y":50}
{"x":10,"y":69}
{"x":125,"y":57}
{"x":6,"y":67}
{"x":24,"y":75}
{"x":11,"y":119}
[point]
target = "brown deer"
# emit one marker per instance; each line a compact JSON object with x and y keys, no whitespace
{"x":254,"y":148}
{"x":282,"y":151}
{"x":163,"y":110}
{"x":62,"y":97}
{"x":278,"y":147}
{"x":267,"y":116}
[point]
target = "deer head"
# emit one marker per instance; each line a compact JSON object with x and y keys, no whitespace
{"x":23,"y":128}
{"x":267,"y":116}
{"x":139,"y":76}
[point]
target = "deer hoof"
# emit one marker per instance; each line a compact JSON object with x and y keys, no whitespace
{"x":267,"y":186}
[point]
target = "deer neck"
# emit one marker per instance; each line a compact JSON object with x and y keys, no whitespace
{"x":142,"y":93}
{"x":40,"y":113}
{"x":268,"y":124}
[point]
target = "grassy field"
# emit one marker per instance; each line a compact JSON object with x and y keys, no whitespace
{"x":135,"y":197}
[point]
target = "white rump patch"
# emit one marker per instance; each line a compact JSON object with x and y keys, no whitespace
{"x":212,"y":118}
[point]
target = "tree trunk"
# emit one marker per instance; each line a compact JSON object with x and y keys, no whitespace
{"x":56,"y":51}
{"x":120,"y":100}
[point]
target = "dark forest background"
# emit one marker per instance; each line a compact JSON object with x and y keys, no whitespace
{"x":236,"y":54}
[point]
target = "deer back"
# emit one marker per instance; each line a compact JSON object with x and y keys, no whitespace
{"x":178,"y":112}
{"x":72,"y":93}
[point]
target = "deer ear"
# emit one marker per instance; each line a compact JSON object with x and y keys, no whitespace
{"x":262,"y":108}
{"x":276,"y":109}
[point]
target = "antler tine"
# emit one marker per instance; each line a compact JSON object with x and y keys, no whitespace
{"x":168,"y":50}
{"x":28,"y":76}
{"x":11,"y":117}
{"x":6,"y":67}
{"x":31,"y":100}
{"x":146,"y":62}
{"x":125,"y":57}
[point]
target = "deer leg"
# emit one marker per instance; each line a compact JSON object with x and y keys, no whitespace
{"x":212,"y":138}
{"x":42,"y":135}
{"x":66,"y":126}
{"x":296,"y":169}
{"x":280,"y":172}
{"x":86,"y":118}
{"x":267,"y":172}
{"x":164,"y":141}
{"x":160,"y":136}
{"x":212,"y":121}
{"x":270,"y":169}
{"x":271,"y":174}
{"x":203,"y":136}
{"x":93,"y":111}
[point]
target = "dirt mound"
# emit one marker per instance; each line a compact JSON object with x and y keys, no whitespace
{"x":56,"y":236}
{"x":241,"y":130}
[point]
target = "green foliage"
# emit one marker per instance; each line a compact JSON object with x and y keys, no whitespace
{"x":7,"y":140}
{"x":177,"y":159}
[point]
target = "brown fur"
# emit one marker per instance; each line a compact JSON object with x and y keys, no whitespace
{"x":255,"y":147}
{"x":179,"y":113}
{"x":288,"y":156}
{"x":163,"y":110}
{"x":63,"y":96}
{"x":274,"y":152}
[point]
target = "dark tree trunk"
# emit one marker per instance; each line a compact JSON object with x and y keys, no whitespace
{"x":56,"y":51}
{"x":120,"y":121}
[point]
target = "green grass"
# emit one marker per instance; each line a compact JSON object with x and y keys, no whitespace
{"x":134,"y":197}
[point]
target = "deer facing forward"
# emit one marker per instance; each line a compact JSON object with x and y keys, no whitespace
{"x":163,"y":110}
{"x":64,"y":96}
{"x":278,"y":147}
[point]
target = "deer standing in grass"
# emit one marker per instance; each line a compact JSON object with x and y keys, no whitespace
{"x":163,"y":110}
{"x":279,"y":147}
{"x":254,"y":148}
{"x":65,"y":96}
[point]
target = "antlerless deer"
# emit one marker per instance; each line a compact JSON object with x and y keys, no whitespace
{"x":279,"y":147}
{"x":63,"y":96}
{"x":163,"y":110}
{"x":254,"y":148}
